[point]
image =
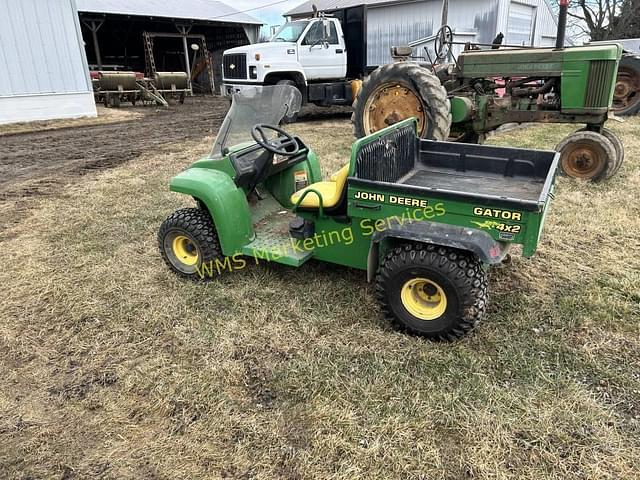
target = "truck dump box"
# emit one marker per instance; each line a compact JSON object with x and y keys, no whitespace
{"x":503,"y":191}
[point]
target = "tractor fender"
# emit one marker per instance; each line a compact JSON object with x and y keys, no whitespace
{"x":478,"y":242}
{"x":227,"y":204}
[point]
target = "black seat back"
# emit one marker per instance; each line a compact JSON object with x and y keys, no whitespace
{"x":389,"y":157}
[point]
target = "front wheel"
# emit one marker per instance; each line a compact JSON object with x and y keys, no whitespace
{"x":587,"y":155}
{"x":436,"y":292}
{"x":293,"y":116}
{"x":189,"y":244}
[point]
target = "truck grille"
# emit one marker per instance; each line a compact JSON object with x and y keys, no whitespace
{"x":235,"y":66}
{"x":599,"y":89}
{"x":388,"y":158}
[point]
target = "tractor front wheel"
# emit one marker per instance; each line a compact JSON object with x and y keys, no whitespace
{"x":436,"y":292}
{"x":189,"y":244}
{"x":398,"y":91}
{"x":587,"y":155}
{"x":617,"y":145}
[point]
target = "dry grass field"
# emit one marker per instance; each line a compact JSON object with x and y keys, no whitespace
{"x":114,"y":368}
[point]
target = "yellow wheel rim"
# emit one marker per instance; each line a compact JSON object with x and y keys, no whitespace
{"x":185,"y":250}
{"x":424,"y":299}
{"x":391,"y":103}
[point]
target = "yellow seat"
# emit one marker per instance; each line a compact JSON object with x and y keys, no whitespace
{"x":330,"y":191}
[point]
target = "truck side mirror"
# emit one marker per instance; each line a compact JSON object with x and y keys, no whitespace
{"x":326,"y":24}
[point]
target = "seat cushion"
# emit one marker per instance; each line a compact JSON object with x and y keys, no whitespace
{"x":331,"y":191}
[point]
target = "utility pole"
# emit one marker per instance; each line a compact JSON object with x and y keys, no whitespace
{"x":445,"y":12}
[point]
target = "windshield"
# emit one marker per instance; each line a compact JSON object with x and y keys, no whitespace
{"x":255,"y":105}
{"x":290,"y":32}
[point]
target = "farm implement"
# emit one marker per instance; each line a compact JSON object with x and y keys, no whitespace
{"x":484,"y":88}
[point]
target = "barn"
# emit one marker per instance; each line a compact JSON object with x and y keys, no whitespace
{"x":120,"y":34}
{"x":401,"y":22}
{"x":43,"y":68}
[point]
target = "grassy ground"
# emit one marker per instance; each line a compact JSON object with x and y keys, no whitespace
{"x":114,"y":368}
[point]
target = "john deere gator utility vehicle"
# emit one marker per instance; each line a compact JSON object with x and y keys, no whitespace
{"x":486,"y":88}
{"x":424,"y":219}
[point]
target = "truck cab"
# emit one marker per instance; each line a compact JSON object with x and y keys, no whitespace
{"x":310,"y":54}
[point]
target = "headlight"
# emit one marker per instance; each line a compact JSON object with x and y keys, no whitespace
{"x":253,"y":71}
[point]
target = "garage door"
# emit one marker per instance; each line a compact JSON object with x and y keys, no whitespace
{"x":521,"y":24}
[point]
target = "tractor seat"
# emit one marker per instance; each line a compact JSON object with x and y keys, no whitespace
{"x":330,"y":191}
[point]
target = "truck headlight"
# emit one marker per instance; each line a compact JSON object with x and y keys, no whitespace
{"x":253,"y":71}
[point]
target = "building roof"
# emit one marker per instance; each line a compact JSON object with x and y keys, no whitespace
{"x":307,"y":7}
{"x":328,"y":5}
{"x":207,"y":10}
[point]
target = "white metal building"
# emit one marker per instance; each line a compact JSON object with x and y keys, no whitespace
{"x":402,"y":22}
{"x":43,"y":68}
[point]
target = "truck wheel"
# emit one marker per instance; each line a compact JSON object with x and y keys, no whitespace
{"x":466,"y":136}
{"x":290,"y":118}
{"x":626,"y":98}
{"x":617,"y":144}
{"x":436,"y":292}
{"x":587,"y":156}
{"x":187,"y":239}
{"x":398,"y":91}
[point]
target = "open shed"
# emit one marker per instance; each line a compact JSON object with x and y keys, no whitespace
{"x":119,"y":34}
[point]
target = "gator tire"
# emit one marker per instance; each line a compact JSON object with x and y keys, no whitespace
{"x":187,"y":239}
{"x":459,"y":290}
{"x":414,"y":91}
{"x":626,"y":98}
{"x":587,"y":155}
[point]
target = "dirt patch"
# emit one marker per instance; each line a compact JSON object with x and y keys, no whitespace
{"x":37,"y":161}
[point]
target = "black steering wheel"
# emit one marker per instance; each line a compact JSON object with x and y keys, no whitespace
{"x":277,"y":147}
{"x":443,"y":42}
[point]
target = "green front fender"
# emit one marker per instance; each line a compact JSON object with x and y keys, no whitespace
{"x":227,"y":205}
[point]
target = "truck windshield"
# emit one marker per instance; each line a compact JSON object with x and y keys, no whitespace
{"x":268,"y":104}
{"x":290,"y":32}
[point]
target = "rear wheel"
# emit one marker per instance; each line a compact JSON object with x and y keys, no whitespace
{"x":398,"y":91}
{"x":626,"y":98}
{"x":432,"y":291}
{"x":187,"y":240}
{"x":587,"y":155}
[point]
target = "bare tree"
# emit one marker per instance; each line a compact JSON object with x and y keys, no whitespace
{"x":604,"y":19}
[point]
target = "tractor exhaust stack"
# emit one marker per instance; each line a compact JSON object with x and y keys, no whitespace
{"x":562,"y":24}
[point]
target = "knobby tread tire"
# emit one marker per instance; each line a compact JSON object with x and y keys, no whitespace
{"x":199,"y":225}
{"x":462,"y":269}
{"x":630,"y":62}
{"x":610,"y":151}
{"x":422,"y":81}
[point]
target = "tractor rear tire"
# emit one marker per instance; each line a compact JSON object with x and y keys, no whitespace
{"x":187,"y":240}
{"x":626,"y":98}
{"x":398,"y":91}
{"x":587,"y":155}
{"x":432,"y":291}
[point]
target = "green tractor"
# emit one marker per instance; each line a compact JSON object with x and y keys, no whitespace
{"x":424,"y":219}
{"x":487,"y":88}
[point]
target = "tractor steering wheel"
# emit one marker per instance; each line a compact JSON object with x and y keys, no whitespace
{"x":443,"y":42}
{"x":277,"y":147}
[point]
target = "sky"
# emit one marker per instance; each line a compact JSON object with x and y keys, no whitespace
{"x":271,"y":15}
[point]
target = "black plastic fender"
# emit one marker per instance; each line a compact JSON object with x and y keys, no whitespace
{"x":478,"y":242}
